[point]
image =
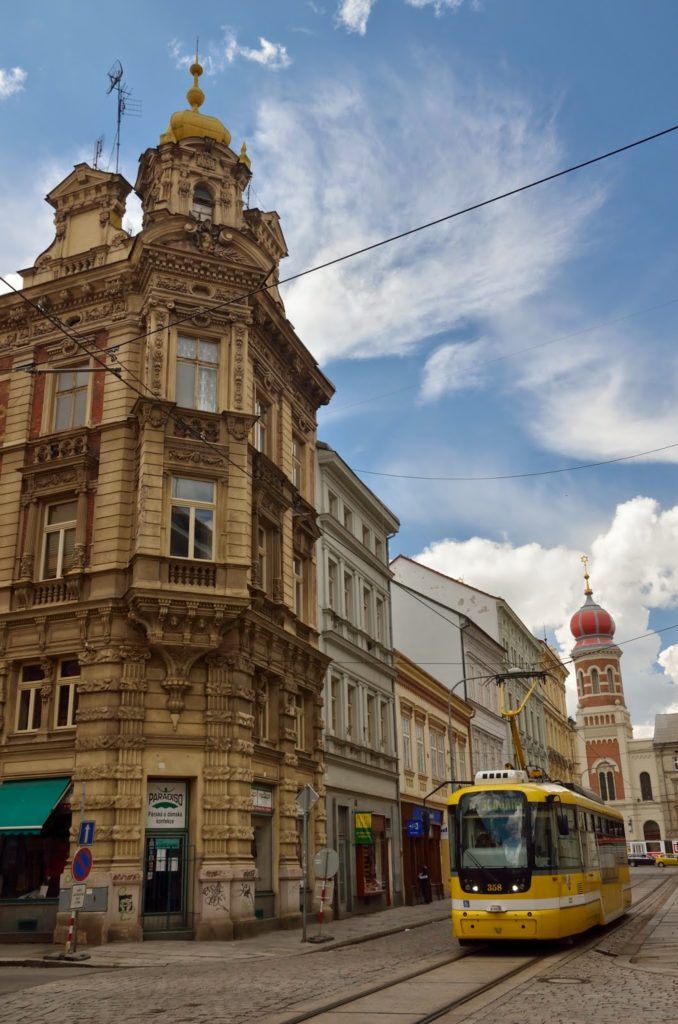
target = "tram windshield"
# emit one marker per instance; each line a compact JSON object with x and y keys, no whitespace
{"x":493,"y":830}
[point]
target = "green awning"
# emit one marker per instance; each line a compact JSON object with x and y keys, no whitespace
{"x":25,"y":805}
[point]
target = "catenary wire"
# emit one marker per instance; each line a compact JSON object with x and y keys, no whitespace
{"x":415,"y":230}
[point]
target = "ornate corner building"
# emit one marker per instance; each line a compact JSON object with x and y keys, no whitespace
{"x":160,"y":673}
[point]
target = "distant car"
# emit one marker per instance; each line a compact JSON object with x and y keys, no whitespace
{"x":667,"y":860}
{"x":641,"y":860}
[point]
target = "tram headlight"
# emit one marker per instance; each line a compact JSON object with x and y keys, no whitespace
{"x":474,"y":888}
{"x":515,"y":888}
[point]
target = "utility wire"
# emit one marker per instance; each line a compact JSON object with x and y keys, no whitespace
{"x":415,"y":230}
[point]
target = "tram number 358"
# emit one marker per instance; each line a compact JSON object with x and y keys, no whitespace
{"x":494,"y":887}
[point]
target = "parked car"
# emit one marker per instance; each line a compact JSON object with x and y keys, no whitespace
{"x":640,"y":860}
{"x":667,"y":860}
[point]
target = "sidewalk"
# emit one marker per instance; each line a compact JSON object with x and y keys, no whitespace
{"x":347,"y":932}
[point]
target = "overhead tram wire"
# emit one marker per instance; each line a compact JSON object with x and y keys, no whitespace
{"x":83,"y":344}
{"x":415,"y":230}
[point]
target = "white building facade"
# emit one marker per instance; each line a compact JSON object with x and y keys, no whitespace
{"x":362,"y":794}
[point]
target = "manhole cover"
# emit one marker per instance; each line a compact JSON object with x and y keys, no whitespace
{"x":565,"y":981}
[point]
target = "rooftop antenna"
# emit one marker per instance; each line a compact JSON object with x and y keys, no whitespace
{"x":98,"y":150}
{"x":125,"y":105}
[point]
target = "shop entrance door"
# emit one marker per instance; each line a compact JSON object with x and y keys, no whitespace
{"x":165,"y":867}
{"x":344,"y":900}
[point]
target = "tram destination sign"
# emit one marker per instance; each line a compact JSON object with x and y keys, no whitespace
{"x":165,"y":804}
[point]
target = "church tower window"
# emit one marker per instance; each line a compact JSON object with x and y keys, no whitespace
{"x":203,"y":203}
{"x":645,"y":786}
{"x":595,"y":681}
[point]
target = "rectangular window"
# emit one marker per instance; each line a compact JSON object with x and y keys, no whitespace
{"x":407,"y":742}
{"x":348,"y":518}
{"x":367,"y":610}
{"x":335,"y":689}
{"x":348,"y":596}
{"x":70,"y":399}
{"x":263,"y":559}
{"x":367,"y":537}
{"x":381,"y":622}
{"x":29,"y":701}
{"x":192,"y":519}
{"x":298,"y":463}
{"x":300,"y":716}
{"x":379,"y":548}
{"x":383,"y":725}
{"x":421,"y":752}
{"x":437,"y":741}
{"x":261,"y":717}
{"x":371,"y":722}
{"x":332,"y":571}
{"x":59,"y":539}
{"x":197,"y":374}
{"x":350,"y":710}
{"x":67,"y":694}
{"x":298,"y":569}
{"x":333,"y":504}
{"x":261,"y":431}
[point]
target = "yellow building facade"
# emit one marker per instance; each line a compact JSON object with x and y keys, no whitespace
{"x":561,"y":730}
{"x":159,"y":669}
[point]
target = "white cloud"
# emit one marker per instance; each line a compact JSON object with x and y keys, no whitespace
{"x":439,"y":6}
{"x":454,"y":367}
{"x":354,"y":14}
{"x":358,"y":187}
{"x":11,"y":81}
{"x":273,"y":56}
{"x":634,"y":570}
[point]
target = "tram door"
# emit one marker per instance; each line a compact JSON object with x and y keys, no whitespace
{"x":165,"y":867}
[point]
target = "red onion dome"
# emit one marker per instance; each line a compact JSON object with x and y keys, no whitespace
{"x":591,"y":622}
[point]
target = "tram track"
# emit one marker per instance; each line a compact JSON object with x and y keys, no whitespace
{"x":474,"y":973}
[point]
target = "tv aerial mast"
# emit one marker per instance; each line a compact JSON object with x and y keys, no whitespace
{"x":125,"y":105}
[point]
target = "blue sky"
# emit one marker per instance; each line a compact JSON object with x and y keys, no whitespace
{"x":364,"y":118}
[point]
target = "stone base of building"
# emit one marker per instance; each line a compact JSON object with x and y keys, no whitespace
{"x":215,"y":931}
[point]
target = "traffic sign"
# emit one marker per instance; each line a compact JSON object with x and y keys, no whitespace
{"x":306,"y":798}
{"x":82,"y":864}
{"x":86,"y":833}
{"x":78,"y":896}
{"x":326,"y":863}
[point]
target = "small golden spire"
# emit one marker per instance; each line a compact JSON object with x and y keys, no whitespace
{"x":195,"y":95}
{"x":585,"y":560}
{"x":243,"y":158}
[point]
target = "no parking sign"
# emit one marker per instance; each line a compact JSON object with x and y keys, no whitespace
{"x":82,"y":864}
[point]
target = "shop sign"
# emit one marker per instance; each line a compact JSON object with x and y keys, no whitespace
{"x":363,"y":828}
{"x":415,"y":828}
{"x":435,"y":817}
{"x":165,"y":804}
{"x":262,"y":800}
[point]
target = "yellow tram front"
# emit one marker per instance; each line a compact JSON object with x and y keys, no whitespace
{"x":533,"y":860}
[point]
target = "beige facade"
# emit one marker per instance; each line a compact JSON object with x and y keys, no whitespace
{"x":433,"y":727}
{"x":157,"y":529}
{"x":561,"y":731}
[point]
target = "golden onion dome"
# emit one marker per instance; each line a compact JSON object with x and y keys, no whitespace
{"x":191,"y":124}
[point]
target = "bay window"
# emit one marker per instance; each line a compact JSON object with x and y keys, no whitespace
{"x":192,"y":519}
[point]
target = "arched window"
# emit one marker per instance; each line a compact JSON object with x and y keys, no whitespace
{"x":595,"y":681}
{"x":580,"y":682}
{"x":610,"y":679}
{"x":203,"y":203}
{"x":651,"y":831}
{"x":645,"y":786}
{"x":606,"y":782}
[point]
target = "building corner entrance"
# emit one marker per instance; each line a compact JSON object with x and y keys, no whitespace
{"x":168,"y":860}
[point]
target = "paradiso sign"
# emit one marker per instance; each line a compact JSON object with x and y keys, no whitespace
{"x":165,"y":804}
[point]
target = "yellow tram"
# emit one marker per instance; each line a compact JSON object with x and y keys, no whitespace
{"x":533,"y":860}
{"x":530,"y":858}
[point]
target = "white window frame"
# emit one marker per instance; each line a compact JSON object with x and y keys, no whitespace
{"x":420,"y":743}
{"x":351,"y":710}
{"x":262,"y":426}
{"x":405,"y":725}
{"x":197,"y":364}
{"x":193,"y":504}
{"x":332,"y":583}
{"x":298,"y":463}
{"x":437,"y":743}
{"x":199,"y":208}
{"x":349,"y":592}
{"x":62,"y":529}
{"x":56,"y":393}
{"x":32,"y":687}
{"x":371,"y":720}
{"x":69,"y":683}
{"x":299,"y":586}
{"x":300,"y":721}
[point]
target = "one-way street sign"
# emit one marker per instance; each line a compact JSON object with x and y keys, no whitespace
{"x":86,"y":833}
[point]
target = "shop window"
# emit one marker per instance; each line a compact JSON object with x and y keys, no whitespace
{"x":67,"y":694}
{"x":59,"y":539}
{"x":298,"y":463}
{"x":332,"y":575}
{"x":261,"y":427}
{"x":645,"y":786}
{"x":192,"y":519}
{"x":29,"y":701}
{"x":348,"y":596}
{"x":197,"y":374}
{"x":70,"y":398}
{"x":595,"y":681}
{"x":421,"y":750}
{"x":437,"y":742}
{"x":202,"y":207}
{"x":407,"y":742}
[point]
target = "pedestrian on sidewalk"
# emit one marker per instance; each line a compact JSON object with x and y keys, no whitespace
{"x":425,"y":885}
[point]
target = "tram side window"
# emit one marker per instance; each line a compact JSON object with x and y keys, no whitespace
{"x":569,"y":851}
{"x":544,"y":837}
{"x":588,"y":840}
{"x":452,"y":837}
